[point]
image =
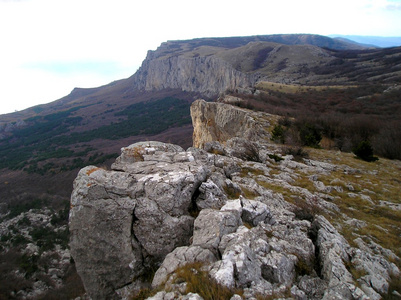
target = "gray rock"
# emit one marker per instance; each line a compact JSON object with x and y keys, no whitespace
{"x":243,"y":148}
{"x":178,"y":258}
{"x":124,"y":222}
{"x":137,"y":151}
{"x":298,"y":294}
{"x":254,"y":212}
{"x":223,"y":272}
{"x":233,"y":206}
{"x":214,"y":147}
{"x":173,"y":295}
{"x":211,"y":225}
{"x":192,"y":296}
{"x":162,"y":207}
{"x":211,"y":196}
{"x":379,"y":271}
{"x":279,"y":268}
{"x":333,"y":252}
{"x":313,"y":287}
{"x":105,"y":253}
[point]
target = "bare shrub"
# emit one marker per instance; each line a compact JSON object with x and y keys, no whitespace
{"x":387,"y":142}
{"x":307,"y":209}
{"x":297,"y":152}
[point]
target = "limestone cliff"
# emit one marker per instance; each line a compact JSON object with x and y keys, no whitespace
{"x":208,"y":75}
{"x":260,"y":223}
{"x":220,"y":122}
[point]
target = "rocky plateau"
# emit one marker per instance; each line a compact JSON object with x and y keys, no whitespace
{"x":259,"y":221}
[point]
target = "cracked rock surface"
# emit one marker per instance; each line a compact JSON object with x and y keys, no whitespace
{"x":161,"y":207}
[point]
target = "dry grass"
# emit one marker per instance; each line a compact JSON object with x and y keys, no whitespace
{"x":395,"y":285}
{"x":361,"y":187}
{"x":250,"y":172}
{"x":137,"y":153}
{"x":379,"y":181}
{"x":249,"y":194}
{"x":356,"y":273}
{"x":198,"y":281}
{"x":276,"y":187}
{"x":231,"y":192}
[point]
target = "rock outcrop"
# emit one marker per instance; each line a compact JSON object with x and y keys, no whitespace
{"x":220,"y":122}
{"x":208,"y":75}
{"x":127,"y":220}
{"x":161,"y":207}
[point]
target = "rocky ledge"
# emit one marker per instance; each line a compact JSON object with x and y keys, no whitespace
{"x":161,"y":208}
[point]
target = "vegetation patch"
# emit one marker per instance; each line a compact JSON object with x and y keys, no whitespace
{"x":247,"y":171}
{"x":249,"y":194}
{"x":198,"y":281}
{"x":49,"y":137}
{"x":337,"y":117}
{"x":394,"y":289}
{"x":231,"y":192}
{"x":275,"y":157}
{"x":364,"y":151}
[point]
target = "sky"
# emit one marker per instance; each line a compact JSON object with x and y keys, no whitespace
{"x":48,"y":47}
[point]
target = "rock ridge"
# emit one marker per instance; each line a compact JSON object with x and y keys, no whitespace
{"x":161,"y":207}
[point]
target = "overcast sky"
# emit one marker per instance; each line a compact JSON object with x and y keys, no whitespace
{"x":48,"y":47}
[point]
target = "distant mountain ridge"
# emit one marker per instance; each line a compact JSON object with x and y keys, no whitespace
{"x":377,"y":41}
{"x":286,"y":39}
{"x":213,"y":65}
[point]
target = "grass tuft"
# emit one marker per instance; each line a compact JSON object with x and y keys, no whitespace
{"x":198,"y":281}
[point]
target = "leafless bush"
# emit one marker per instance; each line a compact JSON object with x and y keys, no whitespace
{"x":388,"y":142}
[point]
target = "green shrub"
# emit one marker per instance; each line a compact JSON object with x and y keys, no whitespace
{"x":310,"y":135}
{"x":278,"y":134}
{"x":29,"y":264}
{"x":364,"y":151}
{"x":276,"y":157}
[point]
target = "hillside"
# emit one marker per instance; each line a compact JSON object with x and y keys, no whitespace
{"x":351,"y":92}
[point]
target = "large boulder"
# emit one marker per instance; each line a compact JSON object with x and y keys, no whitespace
{"x":127,"y":220}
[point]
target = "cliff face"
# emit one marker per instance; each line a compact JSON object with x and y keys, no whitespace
{"x":255,"y":219}
{"x":209,"y":76}
{"x":220,"y":122}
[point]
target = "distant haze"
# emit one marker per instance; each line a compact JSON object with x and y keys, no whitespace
{"x":378,"y":41}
